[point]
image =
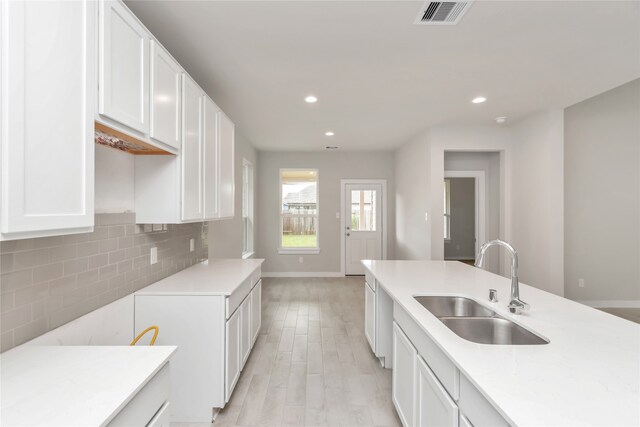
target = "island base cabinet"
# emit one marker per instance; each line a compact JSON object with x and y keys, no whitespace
{"x":403,"y":376}
{"x":232,"y":353}
{"x":434,"y":407}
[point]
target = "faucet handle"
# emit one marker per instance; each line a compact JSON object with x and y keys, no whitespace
{"x":516,"y":305}
{"x":493,"y":295}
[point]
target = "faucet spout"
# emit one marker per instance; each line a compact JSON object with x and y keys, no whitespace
{"x":516,"y":304}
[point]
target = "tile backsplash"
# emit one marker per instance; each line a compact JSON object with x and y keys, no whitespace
{"x":49,"y":281}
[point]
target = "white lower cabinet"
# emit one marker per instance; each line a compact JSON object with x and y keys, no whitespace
{"x":404,"y":376}
{"x":232,"y":353}
{"x":434,"y":406}
{"x":428,"y":389}
{"x":464,"y":421}
{"x":370,"y":316}
{"x":213,"y":333}
{"x":245,"y":329}
{"x":256,"y":311}
{"x":149,"y":406}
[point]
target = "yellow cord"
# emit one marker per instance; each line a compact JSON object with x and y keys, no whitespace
{"x":155,"y":335}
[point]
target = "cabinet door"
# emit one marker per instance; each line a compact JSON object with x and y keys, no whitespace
{"x":48,"y":102}
{"x":370,"y":316}
{"x":232,"y":354}
{"x":464,"y":421}
{"x":165,"y":97}
{"x":256,"y":311}
{"x":191,"y":153}
{"x":245,"y":335}
{"x":434,"y":405}
{"x":404,"y":372}
{"x":210,"y":161}
{"x":226,"y":167}
{"x":124,"y":67}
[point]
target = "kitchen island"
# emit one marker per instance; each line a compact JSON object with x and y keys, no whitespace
{"x":588,"y":373}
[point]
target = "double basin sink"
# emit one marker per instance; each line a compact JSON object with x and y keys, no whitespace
{"x":477,"y":323}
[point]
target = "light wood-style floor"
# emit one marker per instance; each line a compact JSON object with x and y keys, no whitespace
{"x":312,"y":365}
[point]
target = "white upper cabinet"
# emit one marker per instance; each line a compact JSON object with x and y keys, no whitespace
{"x":226,"y":167}
{"x":165,"y":97}
{"x":191,"y":154}
{"x":211,"y":116}
{"x":48,"y":77}
{"x":124,"y":67}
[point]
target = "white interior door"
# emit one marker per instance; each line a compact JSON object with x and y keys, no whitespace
{"x":363,"y":225}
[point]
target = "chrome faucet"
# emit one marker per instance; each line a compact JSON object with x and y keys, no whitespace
{"x":516,"y":304}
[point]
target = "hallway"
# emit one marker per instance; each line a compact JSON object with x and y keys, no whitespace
{"x":311,"y":364}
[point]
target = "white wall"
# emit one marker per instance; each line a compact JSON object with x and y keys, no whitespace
{"x":537,"y":199}
{"x":489,"y":162}
{"x":602,"y":198}
{"x":114,"y":181}
{"x":226,"y":236}
{"x":413,"y":235}
{"x":332,"y":167}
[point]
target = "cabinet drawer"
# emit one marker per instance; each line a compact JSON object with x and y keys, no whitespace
{"x":371,"y":281}
{"x":439,"y":363}
{"x":235,"y":299}
{"x":145,"y":405}
{"x":476,"y":408}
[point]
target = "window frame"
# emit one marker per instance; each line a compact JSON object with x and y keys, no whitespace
{"x":248,"y":211}
{"x":299,"y":250}
{"x":447,"y":210}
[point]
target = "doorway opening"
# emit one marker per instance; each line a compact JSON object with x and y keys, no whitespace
{"x":464,"y":206}
{"x":363,"y":216}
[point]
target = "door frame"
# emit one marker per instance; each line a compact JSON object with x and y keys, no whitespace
{"x":480,"y":202}
{"x":343,"y":241}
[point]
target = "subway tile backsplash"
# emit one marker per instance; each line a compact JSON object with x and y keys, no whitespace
{"x":47,"y":282}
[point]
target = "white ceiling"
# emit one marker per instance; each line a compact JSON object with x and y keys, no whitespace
{"x":379,"y":78}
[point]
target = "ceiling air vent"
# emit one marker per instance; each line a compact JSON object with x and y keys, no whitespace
{"x":442,"y":12}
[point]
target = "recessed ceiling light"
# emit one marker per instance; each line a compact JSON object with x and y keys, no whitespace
{"x":311,"y":99}
{"x":501,"y":120}
{"x":478,"y":100}
{"x":329,"y":133}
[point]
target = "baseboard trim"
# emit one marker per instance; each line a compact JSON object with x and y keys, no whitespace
{"x":611,"y":303}
{"x":301,"y":274}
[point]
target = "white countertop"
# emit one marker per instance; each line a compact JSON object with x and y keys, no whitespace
{"x":589,"y":373}
{"x":212,"y":277}
{"x":74,"y":385}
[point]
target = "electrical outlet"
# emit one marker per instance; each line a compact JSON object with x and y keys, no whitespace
{"x":300,"y":260}
{"x":154,"y":255}
{"x":192,"y":245}
{"x":337,"y":215}
{"x":581,"y":283}
{"x":426,"y":216}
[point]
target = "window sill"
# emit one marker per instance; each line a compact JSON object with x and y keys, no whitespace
{"x":298,"y":251}
{"x":247,"y":255}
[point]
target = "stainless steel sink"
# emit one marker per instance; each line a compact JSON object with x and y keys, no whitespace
{"x":452,"y":306}
{"x":491,"y":330}
{"x":477,"y":323}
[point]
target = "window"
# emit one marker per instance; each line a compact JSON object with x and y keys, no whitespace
{"x":247,"y":208}
{"x":447,"y":209}
{"x":299,"y":211}
{"x":363,"y":210}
